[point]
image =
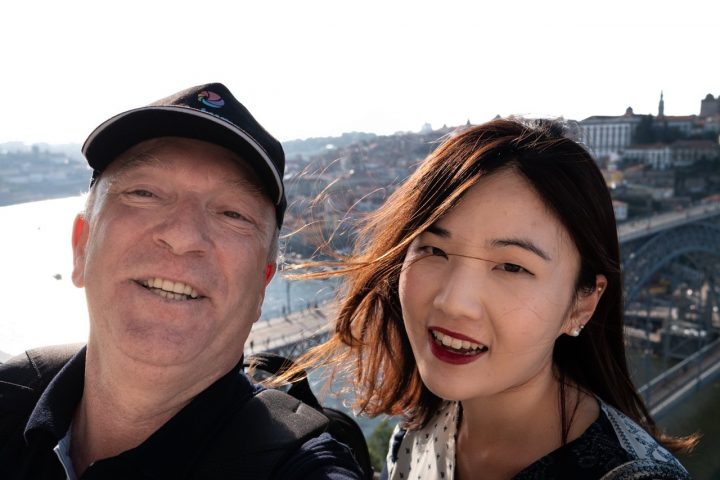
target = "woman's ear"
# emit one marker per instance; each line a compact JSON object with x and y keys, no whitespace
{"x":585,"y":305}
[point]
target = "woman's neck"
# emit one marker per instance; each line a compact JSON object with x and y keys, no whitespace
{"x":501,"y":434}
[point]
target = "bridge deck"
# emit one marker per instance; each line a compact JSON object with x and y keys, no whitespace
{"x":294,"y":328}
{"x":635,"y":229}
{"x":681,"y":380}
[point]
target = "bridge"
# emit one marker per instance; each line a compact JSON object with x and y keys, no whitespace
{"x":682,"y":380}
{"x":649,"y":245}
{"x":670,"y":263}
{"x":292,"y":334}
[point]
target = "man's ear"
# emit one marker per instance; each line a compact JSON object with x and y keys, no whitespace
{"x":585,"y":306}
{"x":270,"y":270}
{"x":80,"y":232}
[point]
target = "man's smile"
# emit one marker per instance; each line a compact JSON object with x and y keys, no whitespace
{"x":169,"y":290}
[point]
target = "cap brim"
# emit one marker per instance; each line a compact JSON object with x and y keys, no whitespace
{"x":127,"y":129}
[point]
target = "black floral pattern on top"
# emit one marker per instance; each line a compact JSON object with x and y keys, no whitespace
{"x":591,"y":455}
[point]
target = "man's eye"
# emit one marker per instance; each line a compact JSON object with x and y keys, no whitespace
{"x":512,"y":268}
{"x":233,"y":215}
{"x":142,"y":193}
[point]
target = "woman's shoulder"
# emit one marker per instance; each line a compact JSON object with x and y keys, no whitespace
{"x":639,"y":469}
{"x":645,"y":452}
{"x":612,"y":448}
{"x":634,"y":439}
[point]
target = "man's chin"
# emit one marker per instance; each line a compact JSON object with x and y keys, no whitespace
{"x":160,"y":347}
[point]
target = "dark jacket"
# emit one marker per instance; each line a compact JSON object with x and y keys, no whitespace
{"x":227,"y":431}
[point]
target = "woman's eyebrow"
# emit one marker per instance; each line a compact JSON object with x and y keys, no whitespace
{"x":439,"y":231}
{"x":523,"y":243}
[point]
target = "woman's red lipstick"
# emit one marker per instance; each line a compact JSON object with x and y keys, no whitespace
{"x":449,"y":354}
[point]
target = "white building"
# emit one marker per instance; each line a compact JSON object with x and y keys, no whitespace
{"x":658,"y":156}
{"x":609,"y":135}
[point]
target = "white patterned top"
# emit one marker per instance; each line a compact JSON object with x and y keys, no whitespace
{"x":613,"y":447}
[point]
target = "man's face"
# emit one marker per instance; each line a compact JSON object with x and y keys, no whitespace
{"x":174,"y":255}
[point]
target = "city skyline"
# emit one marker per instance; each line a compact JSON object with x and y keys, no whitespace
{"x":323,"y":68}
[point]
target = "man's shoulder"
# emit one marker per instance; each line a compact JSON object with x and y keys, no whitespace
{"x":322,"y":458}
{"x":265,"y":429}
{"x":272,"y":431}
{"x":23,"y":379}
{"x":278,"y":420}
{"x":33,"y":369}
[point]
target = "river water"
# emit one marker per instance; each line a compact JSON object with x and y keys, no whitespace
{"x":42,"y":307}
{"x":697,"y":414}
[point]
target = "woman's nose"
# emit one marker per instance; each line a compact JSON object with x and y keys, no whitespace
{"x":461,"y":292}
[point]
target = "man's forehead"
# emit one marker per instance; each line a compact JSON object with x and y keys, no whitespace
{"x":160,"y":152}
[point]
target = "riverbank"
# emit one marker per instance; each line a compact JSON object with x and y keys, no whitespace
{"x":699,"y":414}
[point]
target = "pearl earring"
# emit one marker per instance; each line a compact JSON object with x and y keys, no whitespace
{"x":577,"y":331}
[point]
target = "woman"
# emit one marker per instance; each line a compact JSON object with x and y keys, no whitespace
{"x":484,"y":304}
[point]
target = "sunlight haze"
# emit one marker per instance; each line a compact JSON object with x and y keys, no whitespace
{"x":322,"y":68}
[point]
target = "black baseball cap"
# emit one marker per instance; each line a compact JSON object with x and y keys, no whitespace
{"x":207,"y":112}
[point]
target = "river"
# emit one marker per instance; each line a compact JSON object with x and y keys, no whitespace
{"x":699,"y":413}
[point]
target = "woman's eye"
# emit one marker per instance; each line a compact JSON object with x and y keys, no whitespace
{"x":512,"y":268}
{"x":434,"y":251}
{"x":438,"y":252}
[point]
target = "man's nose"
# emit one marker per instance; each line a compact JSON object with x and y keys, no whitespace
{"x":460,"y":294}
{"x":184,"y":229}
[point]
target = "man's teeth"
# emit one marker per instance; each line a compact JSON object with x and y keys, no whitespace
{"x":169,"y":289}
{"x":457,"y":344}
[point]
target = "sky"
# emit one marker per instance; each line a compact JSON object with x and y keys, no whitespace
{"x":319,"y":68}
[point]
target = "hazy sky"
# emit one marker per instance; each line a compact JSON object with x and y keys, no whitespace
{"x":310,"y":68}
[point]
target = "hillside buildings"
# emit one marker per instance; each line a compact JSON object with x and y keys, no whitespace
{"x":661,"y":141}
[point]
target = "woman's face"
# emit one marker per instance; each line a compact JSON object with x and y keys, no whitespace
{"x":487,"y":289}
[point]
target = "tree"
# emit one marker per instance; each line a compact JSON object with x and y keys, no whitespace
{"x":645,"y":133}
{"x":378,"y":443}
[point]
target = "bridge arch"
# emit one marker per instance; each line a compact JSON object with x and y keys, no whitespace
{"x":640,"y":266}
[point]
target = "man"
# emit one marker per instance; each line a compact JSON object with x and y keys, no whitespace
{"x":174,"y":250}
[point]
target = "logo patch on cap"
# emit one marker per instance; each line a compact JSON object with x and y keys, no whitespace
{"x":211,"y":99}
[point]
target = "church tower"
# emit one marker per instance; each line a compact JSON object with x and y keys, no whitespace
{"x":661,"y":106}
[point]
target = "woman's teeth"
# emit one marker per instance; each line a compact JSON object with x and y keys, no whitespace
{"x":461,"y":346}
{"x":169,"y":289}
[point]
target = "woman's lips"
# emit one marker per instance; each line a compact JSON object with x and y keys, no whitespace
{"x":453,"y":347}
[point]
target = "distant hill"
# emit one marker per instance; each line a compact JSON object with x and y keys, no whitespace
{"x":43,"y":171}
{"x":318,"y":145}
{"x":35,"y":172}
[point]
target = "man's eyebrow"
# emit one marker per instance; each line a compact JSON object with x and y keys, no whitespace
{"x":139,"y":159}
{"x":523,"y":243}
{"x":439,"y":231}
{"x":246,"y":185}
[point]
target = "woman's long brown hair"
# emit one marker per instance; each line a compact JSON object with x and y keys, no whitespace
{"x":369,"y":335}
